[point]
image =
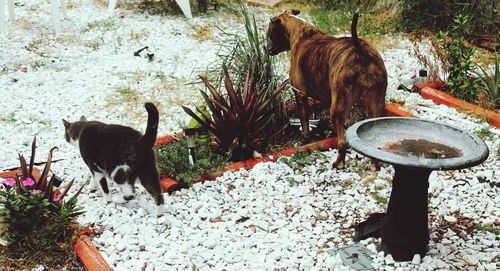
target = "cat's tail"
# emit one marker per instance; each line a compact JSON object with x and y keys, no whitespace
{"x":147,"y":141}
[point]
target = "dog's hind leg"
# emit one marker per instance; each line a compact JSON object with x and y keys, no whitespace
{"x":376,"y":110}
{"x":339,"y":110}
{"x":303,"y":111}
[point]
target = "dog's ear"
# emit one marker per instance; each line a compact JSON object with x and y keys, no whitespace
{"x":295,"y":11}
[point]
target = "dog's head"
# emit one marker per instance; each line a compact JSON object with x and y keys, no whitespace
{"x":277,"y":37}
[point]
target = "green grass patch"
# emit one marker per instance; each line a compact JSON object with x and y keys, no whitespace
{"x":330,"y":21}
{"x":302,"y":158}
{"x":485,"y":133}
{"x":173,"y":161}
{"x":337,"y":19}
{"x":94,"y":44}
{"x":37,"y":65}
{"x":491,"y":229}
{"x":106,"y":24}
{"x":128,"y":94}
{"x":382,"y":200}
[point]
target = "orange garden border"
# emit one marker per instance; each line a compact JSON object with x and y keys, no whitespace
{"x":88,"y":254}
{"x":430,"y":91}
{"x":170,"y":185}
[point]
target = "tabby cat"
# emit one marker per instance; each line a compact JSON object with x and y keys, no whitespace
{"x":119,"y":153}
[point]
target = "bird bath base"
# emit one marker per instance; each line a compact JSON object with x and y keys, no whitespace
{"x":415,"y":148}
{"x":405,"y":229}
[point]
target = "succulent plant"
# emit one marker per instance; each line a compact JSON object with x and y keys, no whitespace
{"x":44,"y":184}
{"x":240,"y":120}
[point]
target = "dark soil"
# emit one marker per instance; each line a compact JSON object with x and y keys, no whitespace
{"x":61,"y":258}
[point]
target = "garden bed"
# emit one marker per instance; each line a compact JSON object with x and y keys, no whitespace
{"x":430,"y":91}
{"x":170,"y":185}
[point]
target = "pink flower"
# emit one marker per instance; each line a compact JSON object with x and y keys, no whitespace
{"x":36,"y":191}
{"x":9,"y":182}
{"x":472,"y":75}
{"x":57,"y":198}
{"x":28,"y":182}
{"x":449,"y":40}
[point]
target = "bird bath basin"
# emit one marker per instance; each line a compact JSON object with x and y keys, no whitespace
{"x":415,"y":148}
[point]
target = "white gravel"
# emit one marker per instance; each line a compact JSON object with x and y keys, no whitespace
{"x":269,"y":218}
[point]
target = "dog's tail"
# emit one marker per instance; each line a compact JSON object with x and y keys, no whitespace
{"x":147,"y":141}
{"x":354,"y":32}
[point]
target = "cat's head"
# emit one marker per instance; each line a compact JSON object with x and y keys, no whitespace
{"x":72,"y":130}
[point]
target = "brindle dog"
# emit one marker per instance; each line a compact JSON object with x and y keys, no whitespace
{"x":339,"y":72}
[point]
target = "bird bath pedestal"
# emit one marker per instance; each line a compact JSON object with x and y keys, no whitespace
{"x":415,"y":148}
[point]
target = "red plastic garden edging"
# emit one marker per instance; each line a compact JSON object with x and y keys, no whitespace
{"x":429,"y":91}
{"x":170,"y":185}
{"x":89,"y":254}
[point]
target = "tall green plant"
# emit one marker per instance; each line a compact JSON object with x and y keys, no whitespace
{"x":247,"y":55}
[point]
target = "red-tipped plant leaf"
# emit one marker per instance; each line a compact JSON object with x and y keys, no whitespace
{"x":214,"y":92}
{"x":24,"y":167}
{"x":49,"y":190}
{"x":46,"y":169}
{"x":65,"y":191}
{"x":233,"y":99}
{"x":32,"y":158}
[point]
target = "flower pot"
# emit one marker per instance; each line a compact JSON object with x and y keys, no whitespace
{"x":18,"y":172}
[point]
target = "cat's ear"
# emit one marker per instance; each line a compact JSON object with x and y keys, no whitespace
{"x":66,"y":123}
{"x":82,"y":118}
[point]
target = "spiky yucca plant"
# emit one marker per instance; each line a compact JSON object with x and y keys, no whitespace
{"x":242,"y":121}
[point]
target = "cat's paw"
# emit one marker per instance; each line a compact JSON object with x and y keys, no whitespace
{"x":159,"y":210}
{"x":119,"y":198}
{"x":106,"y":198}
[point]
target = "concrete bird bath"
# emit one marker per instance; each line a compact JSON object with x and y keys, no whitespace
{"x":415,"y":148}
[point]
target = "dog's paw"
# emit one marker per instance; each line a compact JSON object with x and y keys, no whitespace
{"x":338,"y":164}
{"x":374,"y":165}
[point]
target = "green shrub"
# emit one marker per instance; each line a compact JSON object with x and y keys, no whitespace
{"x":438,"y":15}
{"x":173,"y":161}
{"x":462,"y":82}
